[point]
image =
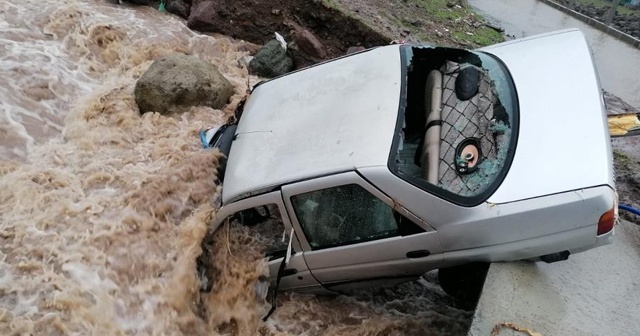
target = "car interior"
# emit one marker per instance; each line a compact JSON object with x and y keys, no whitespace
{"x":345,"y":215}
{"x":456,"y":131}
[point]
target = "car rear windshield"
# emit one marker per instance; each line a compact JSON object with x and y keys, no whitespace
{"x":457,"y":125}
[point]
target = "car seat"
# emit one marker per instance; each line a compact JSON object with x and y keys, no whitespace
{"x":461,"y":132}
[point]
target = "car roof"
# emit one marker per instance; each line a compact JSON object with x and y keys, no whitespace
{"x":336,"y":116}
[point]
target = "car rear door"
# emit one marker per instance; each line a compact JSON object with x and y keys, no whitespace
{"x":354,"y":236}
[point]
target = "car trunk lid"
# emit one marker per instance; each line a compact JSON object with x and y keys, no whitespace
{"x":563,"y":142}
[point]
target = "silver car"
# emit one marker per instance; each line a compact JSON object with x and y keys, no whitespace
{"x":377,"y":167}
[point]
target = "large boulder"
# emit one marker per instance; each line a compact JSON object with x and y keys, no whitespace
{"x":309,"y":43}
{"x":181,"y":81}
{"x":203,"y":15}
{"x":179,"y":7}
{"x":272,"y":60}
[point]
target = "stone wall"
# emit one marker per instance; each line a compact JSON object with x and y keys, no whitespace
{"x":629,"y":24}
{"x":562,"y":6}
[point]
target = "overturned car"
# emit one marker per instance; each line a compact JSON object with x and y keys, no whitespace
{"x":382,"y":165}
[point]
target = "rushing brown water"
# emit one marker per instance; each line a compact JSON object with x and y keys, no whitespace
{"x":102,"y":210}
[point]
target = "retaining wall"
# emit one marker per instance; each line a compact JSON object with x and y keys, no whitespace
{"x":595,"y":24}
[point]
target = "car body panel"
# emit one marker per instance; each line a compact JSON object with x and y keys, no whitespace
{"x":572,"y":240}
{"x":300,"y":280}
{"x":366,"y":261}
{"x":563,"y":141}
{"x":325,"y":119}
{"x":490,"y":224}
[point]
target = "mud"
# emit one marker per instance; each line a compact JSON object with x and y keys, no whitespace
{"x":626,"y":157}
{"x":256,"y":21}
{"x":340,"y":24}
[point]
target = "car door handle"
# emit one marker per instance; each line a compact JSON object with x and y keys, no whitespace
{"x":418,"y":254}
{"x":289,"y":271}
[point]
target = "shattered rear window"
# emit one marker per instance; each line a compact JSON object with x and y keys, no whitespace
{"x":457,"y":125}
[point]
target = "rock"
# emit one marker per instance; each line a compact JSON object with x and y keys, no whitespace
{"x":352,"y":50}
{"x":179,"y":7}
{"x":203,"y":15}
{"x":181,"y":81}
{"x":309,"y":43}
{"x":271,"y":61}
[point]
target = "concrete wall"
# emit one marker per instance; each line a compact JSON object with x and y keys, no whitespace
{"x":595,"y":24}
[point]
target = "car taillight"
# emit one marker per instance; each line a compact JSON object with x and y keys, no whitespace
{"x":605,"y":224}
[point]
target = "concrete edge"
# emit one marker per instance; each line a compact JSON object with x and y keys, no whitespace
{"x":567,"y":298}
{"x":624,"y":37}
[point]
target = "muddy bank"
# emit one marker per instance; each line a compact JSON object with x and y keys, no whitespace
{"x":439,"y":22}
{"x":336,"y":24}
{"x":256,"y":22}
{"x":627,"y":175}
{"x":626,"y":159}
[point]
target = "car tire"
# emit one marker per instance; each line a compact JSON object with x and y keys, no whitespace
{"x":464,"y":282}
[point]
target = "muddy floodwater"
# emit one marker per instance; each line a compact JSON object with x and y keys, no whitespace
{"x":618,"y":63}
{"x":102,"y":210}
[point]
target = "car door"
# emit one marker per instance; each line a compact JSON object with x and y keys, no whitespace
{"x":265,"y":215}
{"x":355,"y":236}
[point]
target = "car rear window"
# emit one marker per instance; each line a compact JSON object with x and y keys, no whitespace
{"x":457,"y":125}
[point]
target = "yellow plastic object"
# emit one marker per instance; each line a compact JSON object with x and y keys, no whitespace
{"x":621,"y":124}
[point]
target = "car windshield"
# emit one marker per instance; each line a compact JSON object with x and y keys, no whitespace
{"x":457,"y":123}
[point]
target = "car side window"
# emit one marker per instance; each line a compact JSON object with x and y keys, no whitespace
{"x":347,"y":214}
{"x":265,"y":223}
